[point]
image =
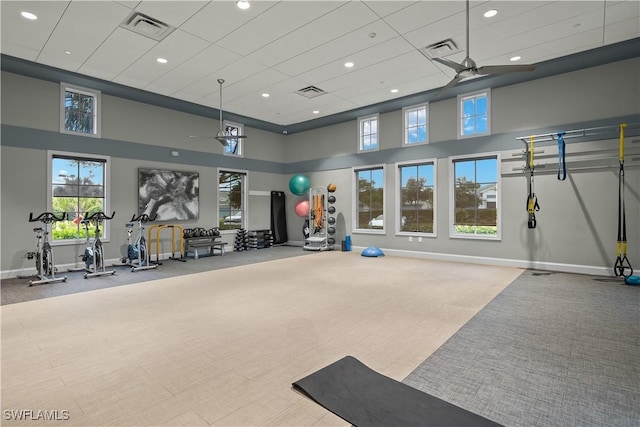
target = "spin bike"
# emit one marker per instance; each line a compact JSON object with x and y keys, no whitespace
{"x":93,"y":256}
{"x":138,"y":253}
{"x":46,"y":270}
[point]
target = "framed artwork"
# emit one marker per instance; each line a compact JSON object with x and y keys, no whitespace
{"x":172,"y":195}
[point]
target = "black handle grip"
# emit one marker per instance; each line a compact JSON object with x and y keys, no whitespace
{"x":47,"y":217}
{"x":98,"y":216}
{"x":143,"y":217}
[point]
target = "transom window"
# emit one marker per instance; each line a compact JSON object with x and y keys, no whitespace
{"x":368,"y":133}
{"x":234,"y":145}
{"x":80,"y":110}
{"x":415,"y":125}
{"x":417,"y":196}
{"x":474,"y":114}
{"x":78,"y":185}
{"x":232,"y":199}
{"x":476,"y":196}
{"x":369,"y":198}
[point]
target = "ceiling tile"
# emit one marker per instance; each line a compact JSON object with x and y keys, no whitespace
{"x":173,"y":13}
{"x":24,"y":33}
{"x":121,"y":49}
{"x":82,"y":29}
{"x":220,"y":18}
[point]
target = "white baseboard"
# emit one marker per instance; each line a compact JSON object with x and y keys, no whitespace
{"x":504,"y":262}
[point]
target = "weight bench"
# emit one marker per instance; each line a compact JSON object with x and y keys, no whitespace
{"x":195,"y":243}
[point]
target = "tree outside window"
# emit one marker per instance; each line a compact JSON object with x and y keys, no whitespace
{"x":475,"y":196}
{"x":80,"y":110}
{"x":231,"y":211}
{"x":416,"y":201}
{"x":77,"y":188}
{"x":370,"y":198}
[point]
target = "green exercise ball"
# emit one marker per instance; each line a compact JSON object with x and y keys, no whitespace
{"x":299,"y":185}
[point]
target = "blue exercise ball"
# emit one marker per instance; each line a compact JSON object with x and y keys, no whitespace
{"x":299,"y":184}
{"x":372,"y":251}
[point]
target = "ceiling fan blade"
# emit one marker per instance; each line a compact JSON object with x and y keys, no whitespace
{"x":451,"y":84}
{"x":504,"y":69}
{"x":449,"y":63}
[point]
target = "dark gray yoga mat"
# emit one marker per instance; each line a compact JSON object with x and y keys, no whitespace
{"x":363,"y":397}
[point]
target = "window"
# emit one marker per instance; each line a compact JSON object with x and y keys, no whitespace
{"x":474,"y":114}
{"x":369,"y":198}
{"x":234,"y":145}
{"x":475,"y":204}
{"x":232,"y":199}
{"x":78,"y":184}
{"x":415,"y":125}
{"x":416,"y":196}
{"x":80,"y":112}
{"x":368,"y":133}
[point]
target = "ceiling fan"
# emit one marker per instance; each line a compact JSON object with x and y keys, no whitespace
{"x":225,"y":137}
{"x":468,"y":68}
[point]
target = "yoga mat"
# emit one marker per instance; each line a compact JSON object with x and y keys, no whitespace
{"x":363,"y":397}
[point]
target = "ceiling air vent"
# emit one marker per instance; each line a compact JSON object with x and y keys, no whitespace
{"x":310,"y":92}
{"x":440,"y":49}
{"x":147,"y":26}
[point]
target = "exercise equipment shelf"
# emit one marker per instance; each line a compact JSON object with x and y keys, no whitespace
{"x":210,"y":242}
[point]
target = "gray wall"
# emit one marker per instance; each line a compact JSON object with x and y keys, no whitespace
{"x":576,"y":226}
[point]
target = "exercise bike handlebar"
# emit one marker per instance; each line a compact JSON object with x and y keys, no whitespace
{"x":47,"y":217}
{"x":143,"y":218}
{"x":98,"y":216}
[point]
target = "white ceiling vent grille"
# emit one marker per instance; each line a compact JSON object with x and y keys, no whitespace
{"x":147,"y":26}
{"x":310,"y":92}
{"x":441,"y":49}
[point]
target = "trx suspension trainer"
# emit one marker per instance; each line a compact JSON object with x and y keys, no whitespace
{"x":562,"y":165}
{"x":622,"y":265}
{"x":532,"y":199}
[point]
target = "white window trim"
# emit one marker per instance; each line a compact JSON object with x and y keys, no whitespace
{"x":354,"y":198}
{"x":459,"y":125}
{"x":360,"y":120}
{"x":240,"y":127}
{"x":405,"y":142}
{"x":107,"y":192}
{"x":433,"y":161}
{"x":98,"y":109}
{"x":245,"y":198}
{"x":452,"y":184}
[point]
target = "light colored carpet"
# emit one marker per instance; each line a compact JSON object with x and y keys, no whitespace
{"x":550,"y":350}
{"x":223,"y":347}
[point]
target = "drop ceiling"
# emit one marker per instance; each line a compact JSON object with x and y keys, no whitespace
{"x":281,"y":47}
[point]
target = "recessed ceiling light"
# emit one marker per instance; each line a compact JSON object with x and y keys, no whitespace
{"x":28,"y":15}
{"x":515,"y":58}
{"x":243,"y":5}
{"x":316,"y":112}
{"x":490,"y":13}
{"x":162,"y":60}
{"x":68,"y":52}
{"x":265,"y":95}
{"x":394,"y":90}
{"x":348,"y":64}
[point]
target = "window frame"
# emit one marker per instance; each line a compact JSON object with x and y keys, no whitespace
{"x":106,"y":227}
{"x":361,"y":121}
{"x":405,"y":127}
{"x":240,"y":145}
{"x":355,"y":200}
{"x":245,"y":198}
{"x":452,"y":186}
{"x":398,"y":184}
{"x":97,"y":95}
{"x":460,"y":98}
